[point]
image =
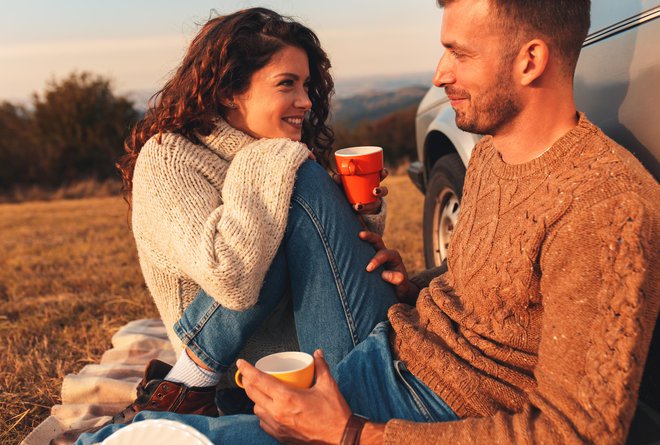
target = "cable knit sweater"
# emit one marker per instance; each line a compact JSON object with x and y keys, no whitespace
{"x":539,"y":330}
{"x":212,"y":216}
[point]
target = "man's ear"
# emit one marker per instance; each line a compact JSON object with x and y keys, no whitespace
{"x":532,"y":61}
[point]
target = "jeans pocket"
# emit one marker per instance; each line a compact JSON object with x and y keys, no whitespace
{"x":424,"y":411}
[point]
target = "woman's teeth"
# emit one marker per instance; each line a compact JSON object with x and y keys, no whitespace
{"x":294,"y":120}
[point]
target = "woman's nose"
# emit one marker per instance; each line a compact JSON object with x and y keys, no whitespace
{"x":303,"y":101}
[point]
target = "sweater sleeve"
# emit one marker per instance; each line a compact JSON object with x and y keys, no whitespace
{"x":600,"y":299}
{"x":223,"y":242}
{"x":424,"y":278}
{"x":376,"y":223}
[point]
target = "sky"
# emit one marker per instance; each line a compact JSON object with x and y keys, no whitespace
{"x":138,"y":43}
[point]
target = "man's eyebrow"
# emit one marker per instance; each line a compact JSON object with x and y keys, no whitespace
{"x":453,"y":44}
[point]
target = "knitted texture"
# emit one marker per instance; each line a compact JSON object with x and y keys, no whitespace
{"x":212,"y":216}
{"x":539,"y":330}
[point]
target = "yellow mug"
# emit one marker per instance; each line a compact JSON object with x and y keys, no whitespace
{"x":293,"y":368}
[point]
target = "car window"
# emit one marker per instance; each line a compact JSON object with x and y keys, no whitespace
{"x":606,"y":13}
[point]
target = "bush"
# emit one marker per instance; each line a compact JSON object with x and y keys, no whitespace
{"x":394,"y":132}
{"x":73,"y":132}
{"x":82,"y":125}
{"x":18,"y":144}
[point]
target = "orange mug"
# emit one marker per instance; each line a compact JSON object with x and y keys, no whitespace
{"x":293,"y":368}
{"x":359,"y":168}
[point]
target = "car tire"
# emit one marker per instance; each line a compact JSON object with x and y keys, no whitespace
{"x":441,"y":205}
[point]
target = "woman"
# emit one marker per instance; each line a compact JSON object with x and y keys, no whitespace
{"x":228,"y":215}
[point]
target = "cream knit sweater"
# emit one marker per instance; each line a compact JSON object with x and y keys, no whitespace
{"x":212,"y":216}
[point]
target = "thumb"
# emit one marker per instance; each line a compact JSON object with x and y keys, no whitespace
{"x":321,"y":367}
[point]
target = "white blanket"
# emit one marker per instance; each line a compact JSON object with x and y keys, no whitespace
{"x":100,"y":391}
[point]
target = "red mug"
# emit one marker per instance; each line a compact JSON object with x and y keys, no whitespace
{"x":359,"y":168}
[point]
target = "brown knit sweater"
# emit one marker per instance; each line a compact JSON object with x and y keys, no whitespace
{"x":539,"y":330}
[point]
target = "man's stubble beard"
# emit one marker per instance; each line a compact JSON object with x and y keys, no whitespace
{"x":494,"y":109}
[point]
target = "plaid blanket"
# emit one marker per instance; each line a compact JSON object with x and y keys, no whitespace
{"x":98,"y":391}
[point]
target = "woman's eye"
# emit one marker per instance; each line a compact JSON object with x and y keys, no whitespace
{"x":286,"y":83}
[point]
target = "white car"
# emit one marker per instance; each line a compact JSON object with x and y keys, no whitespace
{"x":617,"y":85}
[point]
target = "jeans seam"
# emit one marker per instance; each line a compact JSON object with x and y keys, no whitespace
{"x":333,"y":265}
{"x":187,"y":337}
{"x":423,"y":409}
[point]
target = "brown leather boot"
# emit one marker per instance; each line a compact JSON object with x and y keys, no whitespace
{"x":155,"y":394}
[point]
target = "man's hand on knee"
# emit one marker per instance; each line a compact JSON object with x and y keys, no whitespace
{"x":395,"y":271}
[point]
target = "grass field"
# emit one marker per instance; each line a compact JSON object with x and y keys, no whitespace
{"x":69,"y":278}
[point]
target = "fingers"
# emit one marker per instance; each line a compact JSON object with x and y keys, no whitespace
{"x":373,"y":238}
{"x":381,"y":191}
{"x":384,"y":256}
{"x":384,"y":173}
{"x":394,"y":277}
{"x":368,"y":209}
{"x":260,"y":387}
{"x":336,"y":178}
{"x":323,"y":375}
{"x":266,"y":421}
{"x":311,"y":155}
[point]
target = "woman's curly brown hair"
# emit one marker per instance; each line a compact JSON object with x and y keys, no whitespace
{"x":219,"y":64}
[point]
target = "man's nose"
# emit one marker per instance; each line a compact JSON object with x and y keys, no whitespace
{"x":444,"y":74}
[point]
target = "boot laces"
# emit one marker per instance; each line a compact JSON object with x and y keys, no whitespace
{"x":142,"y":398}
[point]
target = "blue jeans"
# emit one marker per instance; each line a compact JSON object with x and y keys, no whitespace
{"x":336,"y":305}
{"x":372,"y":381}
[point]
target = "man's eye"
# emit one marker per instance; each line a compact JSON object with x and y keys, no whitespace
{"x":456,"y":54}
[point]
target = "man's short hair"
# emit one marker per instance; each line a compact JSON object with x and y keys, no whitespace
{"x":562,"y":24}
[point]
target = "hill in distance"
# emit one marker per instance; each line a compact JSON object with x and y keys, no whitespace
{"x":353,"y":89}
{"x":350,"y":111}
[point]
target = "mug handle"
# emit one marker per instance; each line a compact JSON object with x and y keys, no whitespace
{"x":238,"y":378}
{"x":347,"y":167}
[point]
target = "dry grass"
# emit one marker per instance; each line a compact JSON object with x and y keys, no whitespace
{"x":84,"y":188}
{"x":69,"y":278}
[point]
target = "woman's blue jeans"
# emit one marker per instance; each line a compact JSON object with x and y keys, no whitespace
{"x":338,"y":307}
{"x":336,"y":303}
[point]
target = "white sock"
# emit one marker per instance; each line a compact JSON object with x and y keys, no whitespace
{"x":186,"y":371}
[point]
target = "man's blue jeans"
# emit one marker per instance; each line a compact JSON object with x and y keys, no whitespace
{"x":373,"y":383}
{"x":336,"y":305}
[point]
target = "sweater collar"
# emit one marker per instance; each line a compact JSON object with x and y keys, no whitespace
{"x":226,"y":140}
{"x":554,"y":156}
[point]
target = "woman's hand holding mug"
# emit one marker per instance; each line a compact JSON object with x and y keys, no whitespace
{"x":360,"y":173}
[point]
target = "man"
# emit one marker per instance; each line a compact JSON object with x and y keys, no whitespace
{"x":539,"y":328}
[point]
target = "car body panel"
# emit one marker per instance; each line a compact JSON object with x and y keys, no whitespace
{"x":607,"y":12}
{"x":617,"y":84}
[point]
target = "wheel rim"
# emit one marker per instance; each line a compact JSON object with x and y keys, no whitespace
{"x":445,"y":215}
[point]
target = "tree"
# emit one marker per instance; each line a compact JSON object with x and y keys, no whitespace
{"x":81,"y":126}
{"x":395,"y":133}
{"x":18,"y":142}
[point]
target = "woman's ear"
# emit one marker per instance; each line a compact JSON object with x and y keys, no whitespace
{"x":532,"y":61}
{"x":228,"y":102}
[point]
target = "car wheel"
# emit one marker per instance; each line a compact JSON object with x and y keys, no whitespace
{"x":441,"y":206}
